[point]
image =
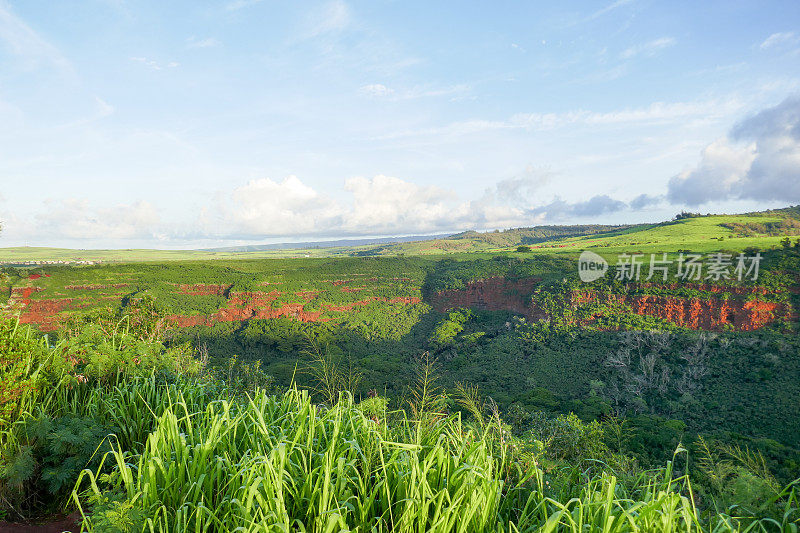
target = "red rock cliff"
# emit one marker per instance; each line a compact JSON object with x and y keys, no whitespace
{"x":491,"y":294}
{"x":715,"y":313}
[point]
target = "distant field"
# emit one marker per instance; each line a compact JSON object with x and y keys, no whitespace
{"x":24,"y":253}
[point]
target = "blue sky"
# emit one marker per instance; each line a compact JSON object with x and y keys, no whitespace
{"x":192,"y":124}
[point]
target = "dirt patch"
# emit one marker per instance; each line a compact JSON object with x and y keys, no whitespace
{"x":44,"y":313}
{"x":201,"y":289}
{"x":307,"y":295}
{"x":69,"y":523}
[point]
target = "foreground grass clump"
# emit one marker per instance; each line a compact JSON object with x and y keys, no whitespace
{"x":61,"y":402}
{"x":281,"y":463}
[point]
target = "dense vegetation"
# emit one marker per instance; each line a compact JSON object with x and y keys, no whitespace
{"x":537,"y":234}
{"x":142,"y":437}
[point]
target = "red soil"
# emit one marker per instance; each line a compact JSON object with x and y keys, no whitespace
{"x":44,"y":313}
{"x":307,"y":295}
{"x":201,"y":289}
{"x":24,"y":292}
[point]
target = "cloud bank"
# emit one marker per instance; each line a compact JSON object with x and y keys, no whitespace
{"x":758,"y":160}
{"x":289,"y":208}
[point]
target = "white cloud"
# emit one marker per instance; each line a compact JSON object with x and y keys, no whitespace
{"x":289,"y":207}
{"x":722,"y":166}
{"x":384,"y":203}
{"x":649,"y":48}
{"x":655,"y":113}
{"x":779,"y":40}
{"x":265,"y":208}
{"x":376,"y":90}
{"x":154,"y":65}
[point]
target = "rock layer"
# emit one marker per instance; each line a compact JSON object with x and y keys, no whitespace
{"x":743,"y":310}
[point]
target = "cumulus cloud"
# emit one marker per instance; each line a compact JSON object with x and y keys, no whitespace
{"x":389,"y":205}
{"x":645,"y":200}
{"x":521,"y":189}
{"x":290,"y":207}
{"x":758,"y":160}
{"x":384,"y":203}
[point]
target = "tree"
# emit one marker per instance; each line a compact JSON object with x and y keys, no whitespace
{"x":786,"y":242}
{"x":523,"y":248}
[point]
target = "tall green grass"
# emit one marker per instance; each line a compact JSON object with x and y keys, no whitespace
{"x":281,"y":463}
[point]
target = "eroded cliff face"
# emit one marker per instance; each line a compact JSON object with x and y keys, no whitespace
{"x":711,"y":314}
{"x":744,"y":310}
{"x":491,"y":294}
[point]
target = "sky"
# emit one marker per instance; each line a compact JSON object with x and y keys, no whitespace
{"x":197,"y":124}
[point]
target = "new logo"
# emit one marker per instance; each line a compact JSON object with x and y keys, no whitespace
{"x":591,"y":266}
